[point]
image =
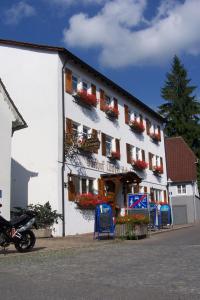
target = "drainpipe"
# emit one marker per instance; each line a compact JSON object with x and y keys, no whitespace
{"x":63,"y":158}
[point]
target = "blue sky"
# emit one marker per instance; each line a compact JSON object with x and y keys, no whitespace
{"x":130,"y":41}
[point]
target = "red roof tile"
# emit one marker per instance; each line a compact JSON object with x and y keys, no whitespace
{"x":180,"y":160}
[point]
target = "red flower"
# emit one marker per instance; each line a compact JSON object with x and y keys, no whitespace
{"x":133,"y":219}
{"x":158,"y":169}
{"x":111,"y":111}
{"x":87,"y":98}
{"x":140,"y":164}
{"x":137,"y":126}
{"x":115,"y":154}
{"x":155,"y":136}
{"x":89,"y":200}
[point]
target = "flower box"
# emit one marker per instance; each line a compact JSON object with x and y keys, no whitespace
{"x":90,"y":201}
{"x":155,"y":137}
{"x":158,"y":170}
{"x":127,"y":231}
{"x":86,"y":98}
{"x":140,"y":164}
{"x":114,"y":155}
{"x":111,"y":111}
{"x":132,"y":226}
{"x":137,"y":126}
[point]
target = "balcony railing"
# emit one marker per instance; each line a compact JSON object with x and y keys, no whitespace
{"x":85,"y":98}
{"x":137,"y":126}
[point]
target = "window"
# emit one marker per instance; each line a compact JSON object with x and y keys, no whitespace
{"x":181,"y":189}
{"x":157,"y":195}
{"x":91,"y":186}
{"x":108,"y":145}
{"x":137,"y":153}
{"x":85,"y":132}
{"x":107,"y":100}
{"x":75,"y":129}
{"x":74,"y":84}
{"x":84,"y":185}
{"x":157,"y":160}
{"x":85,"y":86}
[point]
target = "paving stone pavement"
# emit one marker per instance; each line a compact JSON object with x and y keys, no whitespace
{"x":166,"y":266}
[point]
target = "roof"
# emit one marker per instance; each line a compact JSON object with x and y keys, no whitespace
{"x":19,"y":122}
{"x":90,"y":69}
{"x":180,"y":160}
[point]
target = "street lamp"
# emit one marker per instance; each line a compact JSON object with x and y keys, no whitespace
{"x":169,"y":182}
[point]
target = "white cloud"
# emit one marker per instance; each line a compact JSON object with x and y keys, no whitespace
{"x":17,"y":12}
{"x":117,"y":33}
{"x":76,"y":2}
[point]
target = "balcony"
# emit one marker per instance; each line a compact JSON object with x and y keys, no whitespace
{"x":155,"y":137}
{"x":139,"y":164}
{"x":137,"y":126}
{"x":157,"y":170}
{"x":82,"y":97}
{"x":111,"y":111}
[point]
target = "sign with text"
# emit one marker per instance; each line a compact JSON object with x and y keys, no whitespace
{"x":137,"y":201}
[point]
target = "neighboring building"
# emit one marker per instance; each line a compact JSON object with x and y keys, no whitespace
{"x":10,"y":121}
{"x":85,"y":134}
{"x":182,"y":178}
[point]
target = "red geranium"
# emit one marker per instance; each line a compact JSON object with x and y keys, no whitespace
{"x":87,"y":98}
{"x":137,"y":126}
{"x":140,"y":164}
{"x":89,"y":200}
{"x":111,"y":111}
{"x":158,"y":169}
{"x":155,"y":136}
{"x":115,"y":154}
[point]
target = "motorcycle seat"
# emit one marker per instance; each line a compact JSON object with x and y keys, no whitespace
{"x":18,"y":220}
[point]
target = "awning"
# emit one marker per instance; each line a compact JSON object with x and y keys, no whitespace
{"x":128,"y":177}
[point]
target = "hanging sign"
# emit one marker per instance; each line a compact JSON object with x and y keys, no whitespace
{"x":137,"y":201}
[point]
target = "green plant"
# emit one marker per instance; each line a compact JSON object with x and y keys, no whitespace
{"x":45,"y":216}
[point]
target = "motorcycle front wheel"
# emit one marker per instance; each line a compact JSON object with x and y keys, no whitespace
{"x":27,"y":241}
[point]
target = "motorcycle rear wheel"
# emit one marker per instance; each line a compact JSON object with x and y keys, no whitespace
{"x":27,"y":241}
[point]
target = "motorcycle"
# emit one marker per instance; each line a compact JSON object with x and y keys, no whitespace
{"x":18,"y":232}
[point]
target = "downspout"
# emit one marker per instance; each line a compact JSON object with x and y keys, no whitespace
{"x":63,"y":143}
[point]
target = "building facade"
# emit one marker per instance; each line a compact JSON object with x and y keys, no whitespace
{"x":182,"y":180}
{"x":86,"y":136}
{"x":10,"y":121}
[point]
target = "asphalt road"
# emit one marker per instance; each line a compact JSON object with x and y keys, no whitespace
{"x":166,"y":266}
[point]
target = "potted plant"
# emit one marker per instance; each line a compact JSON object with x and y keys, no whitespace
{"x":111,"y":111}
{"x":158,"y":170}
{"x":114,"y":155}
{"x":137,"y":126}
{"x":90,"y":201}
{"x":140,"y":164}
{"x":45,"y":218}
{"x":86,"y":98}
{"x":155,"y":137}
{"x":132,"y":226}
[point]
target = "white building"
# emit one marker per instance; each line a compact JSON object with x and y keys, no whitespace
{"x":10,"y":121}
{"x":50,"y":78}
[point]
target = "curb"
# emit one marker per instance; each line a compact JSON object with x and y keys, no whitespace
{"x":170,"y":229}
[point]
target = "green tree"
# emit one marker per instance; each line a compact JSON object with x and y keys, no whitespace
{"x":181,"y":109}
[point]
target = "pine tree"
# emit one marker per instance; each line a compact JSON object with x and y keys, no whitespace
{"x":181,"y":109}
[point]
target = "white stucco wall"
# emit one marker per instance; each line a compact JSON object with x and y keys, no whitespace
{"x":6,"y":118}
{"x":33,"y":79}
{"x":97,"y":119}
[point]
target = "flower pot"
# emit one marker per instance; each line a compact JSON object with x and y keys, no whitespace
{"x":126,"y":230}
{"x":43,"y":232}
